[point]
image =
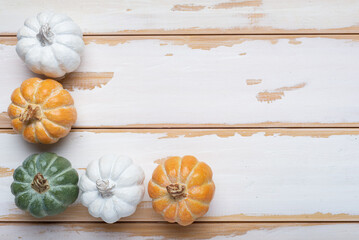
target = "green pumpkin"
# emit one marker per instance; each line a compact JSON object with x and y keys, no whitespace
{"x":45,"y":185}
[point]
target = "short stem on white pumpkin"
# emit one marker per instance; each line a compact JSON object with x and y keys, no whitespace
{"x":45,"y":36}
{"x":176,"y":190}
{"x":104,"y":187}
{"x":40,"y":184}
{"x":31,"y":113}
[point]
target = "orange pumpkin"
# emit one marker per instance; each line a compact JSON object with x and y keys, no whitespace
{"x":181,"y":189}
{"x":42,"y":111}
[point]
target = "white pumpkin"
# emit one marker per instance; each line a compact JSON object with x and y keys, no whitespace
{"x":112,"y":187}
{"x":50,"y":44}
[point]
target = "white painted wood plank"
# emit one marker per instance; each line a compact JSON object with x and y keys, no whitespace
{"x":192,"y":16}
{"x":259,"y":174}
{"x":229,"y":231}
{"x":210,"y":80}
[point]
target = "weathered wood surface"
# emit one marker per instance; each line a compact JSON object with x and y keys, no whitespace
{"x":151,"y":231}
{"x":193,"y":16}
{"x":265,"y":178}
{"x":260,"y":174}
{"x":207,"y":81}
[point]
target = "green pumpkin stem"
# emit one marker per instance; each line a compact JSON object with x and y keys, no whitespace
{"x":40,"y":184}
{"x":176,"y":190}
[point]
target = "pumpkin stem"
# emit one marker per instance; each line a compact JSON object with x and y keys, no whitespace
{"x":176,"y":190}
{"x":103,"y":186}
{"x":45,"y":36}
{"x":31,"y":113}
{"x":40,"y":184}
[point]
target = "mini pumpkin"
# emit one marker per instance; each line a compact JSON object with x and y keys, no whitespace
{"x":50,"y":44}
{"x":112,"y":187}
{"x":181,"y":189}
{"x":45,"y":184}
{"x":42,"y":111}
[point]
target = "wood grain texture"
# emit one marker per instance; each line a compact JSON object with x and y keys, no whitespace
{"x":147,"y":231}
{"x":260,"y":175}
{"x":274,"y":184}
{"x":193,"y":16}
{"x":204,"y":83}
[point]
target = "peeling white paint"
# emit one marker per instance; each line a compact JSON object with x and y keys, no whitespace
{"x":197,"y":86}
{"x":257,"y":176}
{"x":320,"y":232}
{"x":128,"y":15}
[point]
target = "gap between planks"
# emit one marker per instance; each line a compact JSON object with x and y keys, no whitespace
{"x":353,"y":126}
{"x":205,"y":34}
{"x":326,"y":34}
{"x":229,"y":131}
{"x":38,"y":221}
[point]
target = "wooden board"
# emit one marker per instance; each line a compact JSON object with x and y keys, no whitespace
{"x":273,"y":113}
{"x":146,"y":231}
{"x":206,"y":81}
{"x":193,"y":16}
{"x":260,"y":174}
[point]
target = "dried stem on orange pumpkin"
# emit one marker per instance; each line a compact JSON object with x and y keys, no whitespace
{"x":176,"y":190}
{"x":31,"y":113}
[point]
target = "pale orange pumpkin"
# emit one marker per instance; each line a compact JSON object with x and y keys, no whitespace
{"x":42,"y":111}
{"x":181,"y":189}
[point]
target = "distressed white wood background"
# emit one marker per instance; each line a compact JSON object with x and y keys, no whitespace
{"x":208,"y":80}
{"x":258,"y":173}
{"x":274,"y":113}
{"x":193,"y":16}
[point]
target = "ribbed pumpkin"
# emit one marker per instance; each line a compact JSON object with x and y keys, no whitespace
{"x":181,"y":189}
{"x":50,"y":44}
{"x":45,"y":184}
{"x":112,"y":187}
{"x":42,"y":111}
